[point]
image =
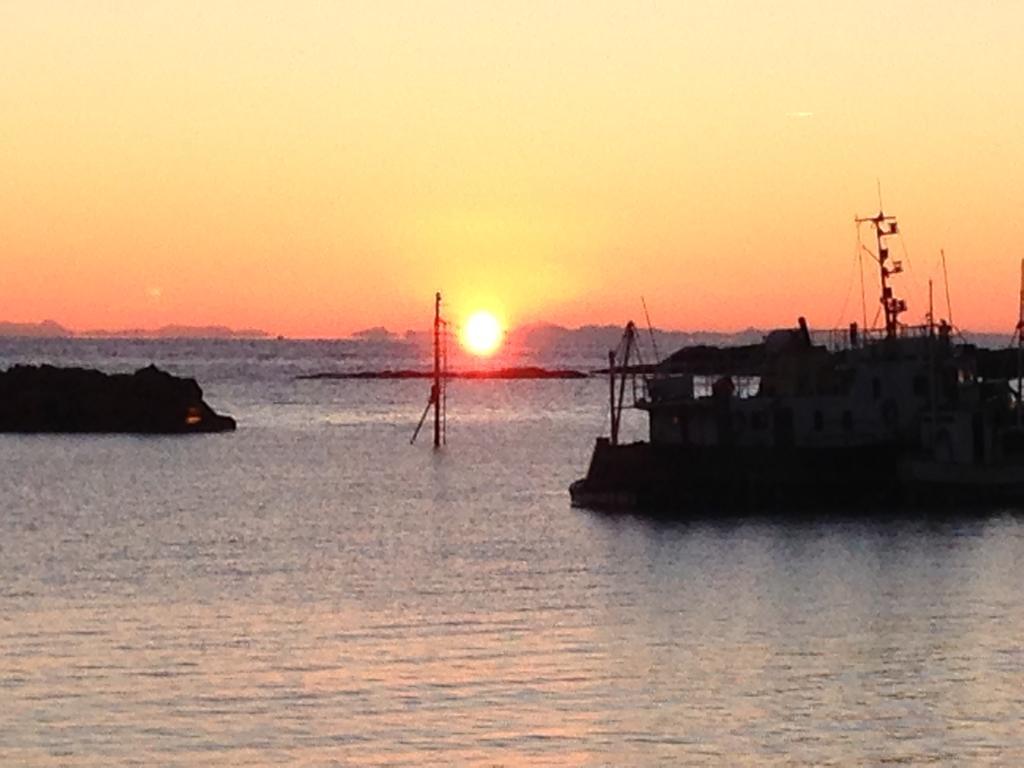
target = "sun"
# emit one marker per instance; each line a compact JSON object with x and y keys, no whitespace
{"x":481,"y":334}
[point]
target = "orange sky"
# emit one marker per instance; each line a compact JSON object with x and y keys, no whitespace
{"x":317,"y":168}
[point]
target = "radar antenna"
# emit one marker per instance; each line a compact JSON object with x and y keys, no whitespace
{"x":886,"y":226}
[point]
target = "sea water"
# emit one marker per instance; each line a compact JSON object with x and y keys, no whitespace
{"x":313,"y":590}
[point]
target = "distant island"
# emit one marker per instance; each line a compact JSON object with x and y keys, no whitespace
{"x":587,"y":341}
{"x":49,"y":329}
{"x":178,"y":332}
{"x":521,"y":372}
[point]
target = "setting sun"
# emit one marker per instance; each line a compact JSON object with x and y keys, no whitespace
{"x":482,"y":333}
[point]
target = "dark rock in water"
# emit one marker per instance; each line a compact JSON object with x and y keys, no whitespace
{"x":150,"y":401}
{"x":522,"y":372}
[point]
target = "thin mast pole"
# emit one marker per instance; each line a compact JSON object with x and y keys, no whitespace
{"x":860,"y":265}
{"x":611,"y":398}
{"x":883,"y":255}
{"x":931,"y":308}
{"x":650,"y":330}
{"x":622,"y":378}
{"x":945,"y":281}
{"x":931,"y":361}
{"x":1020,"y":345}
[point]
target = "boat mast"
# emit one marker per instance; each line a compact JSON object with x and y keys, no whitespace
{"x":614,"y":427}
{"x":1020,"y":346}
{"x":933,"y":406}
{"x":886,"y":226}
{"x":622,"y":353}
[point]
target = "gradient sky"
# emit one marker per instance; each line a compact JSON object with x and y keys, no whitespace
{"x":317,"y":168}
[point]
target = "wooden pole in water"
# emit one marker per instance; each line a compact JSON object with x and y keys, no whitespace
{"x":437,"y":389}
{"x":436,"y":394}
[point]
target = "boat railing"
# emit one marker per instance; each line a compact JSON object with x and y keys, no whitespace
{"x":840,"y":339}
{"x":688,"y":387}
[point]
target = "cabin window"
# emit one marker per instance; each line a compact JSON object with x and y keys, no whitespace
{"x":819,"y":421}
{"x":848,"y":421}
{"x":876,"y":388}
{"x":921,"y":385}
{"x":890,"y":412}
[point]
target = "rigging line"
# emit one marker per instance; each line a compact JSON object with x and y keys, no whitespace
{"x":633,"y":375}
{"x":945,"y":280}
{"x":915,"y":282}
{"x":650,"y":330}
{"x":860,"y":262}
{"x":638,"y":352}
{"x":1012,"y":342}
{"x":849,"y":289}
{"x":870,"y":253}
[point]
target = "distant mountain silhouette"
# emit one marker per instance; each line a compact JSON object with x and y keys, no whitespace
{"x":50,"y":329}
{"x":46,"y":329}
{"x":594,"y":341}
{"x":178,"y":332}
{"x":587,"y":340}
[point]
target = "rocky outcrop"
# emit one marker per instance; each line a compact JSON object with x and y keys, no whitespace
{"x":150,"y":401}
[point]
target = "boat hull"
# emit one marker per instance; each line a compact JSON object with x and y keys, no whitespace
{"x":943,"y":482}
{"x":685,"y":479}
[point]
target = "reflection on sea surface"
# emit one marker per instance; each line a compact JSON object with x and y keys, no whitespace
{"x":312,"y":590}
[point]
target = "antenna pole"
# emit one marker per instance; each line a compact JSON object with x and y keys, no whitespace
{"x":931,"y":363}
{"x":945,"y":281}
{"x":860,"y":267}
{"x":931,"y":308}
{"x":1020,"y":346}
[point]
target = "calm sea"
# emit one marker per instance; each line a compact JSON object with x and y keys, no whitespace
{"x":312,"y":590}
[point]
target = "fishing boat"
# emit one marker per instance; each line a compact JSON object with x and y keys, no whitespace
{"x":902,"y":414}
